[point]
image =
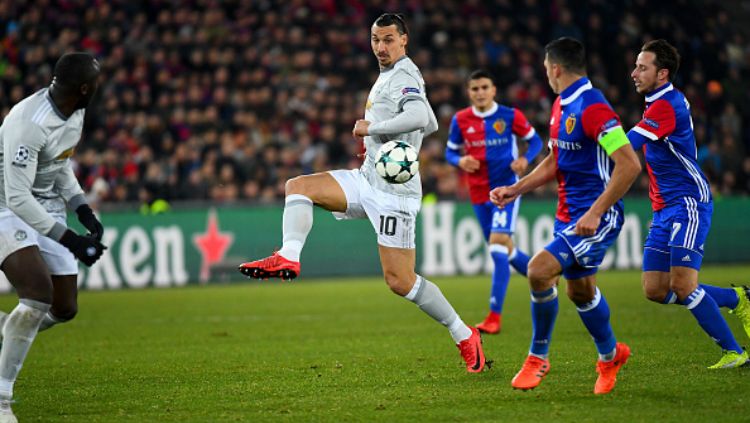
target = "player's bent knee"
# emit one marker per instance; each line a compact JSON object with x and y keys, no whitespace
{"x":656,"y":295}
{"x":65,"y":314}
{"x":580,"y":296}
{"x":294,"y":185}
{"x":398,"y":285}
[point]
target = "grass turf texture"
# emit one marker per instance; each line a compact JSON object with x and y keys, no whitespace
{"x":349,"y":350}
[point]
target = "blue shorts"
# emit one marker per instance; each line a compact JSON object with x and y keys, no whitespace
{"x":581,"y":256}
{"x":494,"y":219}
{"x":677,"y":235}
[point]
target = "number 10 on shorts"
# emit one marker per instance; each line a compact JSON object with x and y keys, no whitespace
{"x":387,"y":225}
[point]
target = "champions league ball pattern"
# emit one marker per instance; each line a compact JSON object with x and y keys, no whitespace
{"x":396,"y":162}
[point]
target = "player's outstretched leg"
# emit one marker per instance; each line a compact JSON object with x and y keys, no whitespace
{"x":428,"y":297}
{"x":19,"y":331}
{"x":284,"y":264}
{"x":742,"y":309}
{"x":500,"y":278}
{"x":706,"y":312}
{"x":595,"y":316}
{"x":520,"y":261}
{"x":544,"y":307}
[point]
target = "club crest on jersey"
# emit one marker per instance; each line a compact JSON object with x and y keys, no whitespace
{"x":66,"y":154}
{"x":368,"y":105}
{"x":570,"y":123}
{"x":499,"y":126}
{"x":22,"y":156}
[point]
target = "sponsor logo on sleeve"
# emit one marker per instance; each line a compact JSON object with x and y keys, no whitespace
{"x":651,"y":123}
{"x":610,"y":124}
{"x":408,"y":90}
{"x":22,"y":156}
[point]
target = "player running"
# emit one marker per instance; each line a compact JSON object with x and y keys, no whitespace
{"x":586,"y":140}
{"x":397,"y":109}
{"x":488,"y":131}
{"x":37,"y":250}
{"x":682,"y":204}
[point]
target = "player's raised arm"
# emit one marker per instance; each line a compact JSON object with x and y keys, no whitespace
{"x":601,"y":123}
{"x":467,"y":163}
{"x":22,"y":142}
{"x":67,"y":185}
{"x":523,"y":130}
{"x":542,"y":174}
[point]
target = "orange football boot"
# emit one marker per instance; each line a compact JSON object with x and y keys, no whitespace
{"x":275,"y":266}
{"x":608,"y":369}
{"x":472,"y":353}
{"x":531,"y":374}
{"x":491,"y":324}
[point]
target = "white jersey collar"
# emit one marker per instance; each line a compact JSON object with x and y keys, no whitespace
{"x":393,"y":66}
{"x":489,"y":112}
{"x":654,"y":95}
{"x":54,"y":106}
{"x":574,"y":91}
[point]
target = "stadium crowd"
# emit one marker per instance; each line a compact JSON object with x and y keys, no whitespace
{"x":225,"y":100}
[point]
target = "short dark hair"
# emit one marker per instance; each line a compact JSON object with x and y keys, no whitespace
{"x":481,"y":73}
{"x":75,"y":69}
{"x":388,"y":19}
{"x":667,"y":56}
{"x":567,"y":52}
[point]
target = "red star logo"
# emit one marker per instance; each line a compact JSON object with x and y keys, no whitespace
{"x":212,"y":244}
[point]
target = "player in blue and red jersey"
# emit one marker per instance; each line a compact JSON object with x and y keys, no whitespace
{"x":682,"y":205}
{"x":487,"y":131}
{"x":594,"y":165}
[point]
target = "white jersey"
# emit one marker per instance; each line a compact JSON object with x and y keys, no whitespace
{"x":36,"y":179}
{"x":395,"y":86}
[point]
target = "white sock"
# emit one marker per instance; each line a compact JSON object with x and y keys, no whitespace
{"x":49,"y":321}
{"x":430,"y":299}
{"x":19,"y":331}
{"x":296,"y":224}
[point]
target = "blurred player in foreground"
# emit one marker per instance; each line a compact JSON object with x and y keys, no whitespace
{"x":586,"y":141}
{"x":487,"y":131}
{"x":682,"y":204}
{"x":397,"y":109}
{"x":37,"y":251}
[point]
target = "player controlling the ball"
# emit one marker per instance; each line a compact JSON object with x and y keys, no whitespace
{"x":397,"y":109}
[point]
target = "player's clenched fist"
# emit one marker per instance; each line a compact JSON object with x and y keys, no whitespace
{"x":361,"y":128}
{"x":501,"y":196}
{"x":468,"y":164}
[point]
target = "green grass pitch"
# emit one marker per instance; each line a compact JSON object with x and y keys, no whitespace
{"x":349,"y":350}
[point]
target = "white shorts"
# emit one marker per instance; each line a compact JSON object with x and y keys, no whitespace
{"x":16,"y":234}
{"x":393,"y":217}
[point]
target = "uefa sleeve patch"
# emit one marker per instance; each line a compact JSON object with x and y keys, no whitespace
{"x":21,"y":157}
{"x":650,"y":122}
{"x":411,"y":90}
{"x":610,"y":124}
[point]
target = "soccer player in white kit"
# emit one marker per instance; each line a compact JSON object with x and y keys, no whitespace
{"x":37,"y":251}
{"x":397,"y":109}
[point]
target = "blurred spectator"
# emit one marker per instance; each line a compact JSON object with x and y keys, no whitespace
{"x":225,"y":100}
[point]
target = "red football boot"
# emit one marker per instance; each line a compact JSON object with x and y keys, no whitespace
{"x":491,"y":324}
{"x":472,"y":353}
{"x":532,"y":372}
{"x":608,"y":369}
{"x":274,"y":266}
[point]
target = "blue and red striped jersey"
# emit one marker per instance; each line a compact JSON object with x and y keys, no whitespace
{"x":666,"y":134}
{"x":490,"y":137}
{"x":580,"y":116}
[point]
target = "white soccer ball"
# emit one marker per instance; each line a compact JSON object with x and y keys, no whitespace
{"x":396,"y":162}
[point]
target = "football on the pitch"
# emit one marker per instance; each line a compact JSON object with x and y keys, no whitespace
{"x":396,"y":162}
